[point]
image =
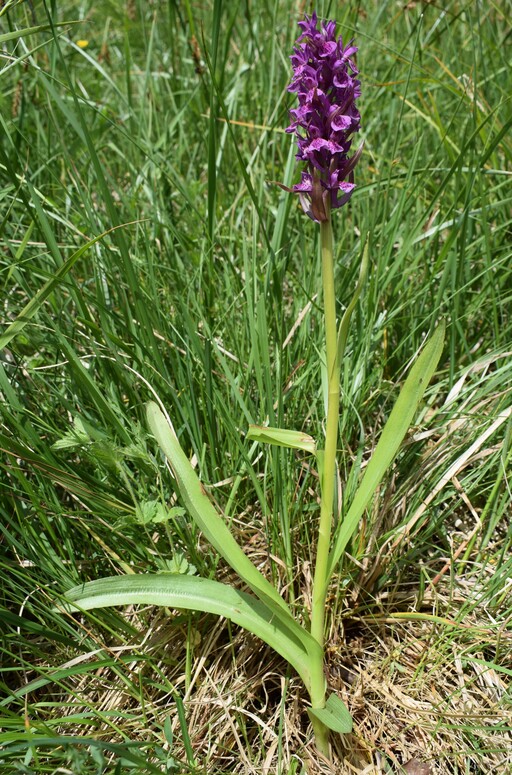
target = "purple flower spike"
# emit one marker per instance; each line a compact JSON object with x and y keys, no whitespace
{"x":324,"y":79}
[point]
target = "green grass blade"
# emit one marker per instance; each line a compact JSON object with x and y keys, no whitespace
{"x":212,"y":133}
{"x":345,"y":321}
{"x":20,"y":743}
{"x":33,"y":306}
{"x":16,"y":34}
{"x":390,"y":440}
{"x":193,"y":593}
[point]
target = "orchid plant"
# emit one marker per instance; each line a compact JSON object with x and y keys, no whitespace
{"x":324,"y":123}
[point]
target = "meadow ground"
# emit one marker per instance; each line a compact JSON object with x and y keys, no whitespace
{"x":144,"y":251}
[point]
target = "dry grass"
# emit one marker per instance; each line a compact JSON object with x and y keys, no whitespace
{"x":432,"y":690}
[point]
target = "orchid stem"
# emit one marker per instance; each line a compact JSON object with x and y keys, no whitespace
{"x":320,"y":581}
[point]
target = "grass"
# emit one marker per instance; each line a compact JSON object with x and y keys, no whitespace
{"x":204,"y":289}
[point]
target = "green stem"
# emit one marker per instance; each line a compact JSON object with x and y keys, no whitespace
{"x":320,"y":580}
{"x":317,"y":695}
{"x":331,"y":437}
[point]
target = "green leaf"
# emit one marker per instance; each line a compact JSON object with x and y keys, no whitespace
{"x":178,"y":563}
{"x":335,"y":715}
{"x":168,"y":731}
{"x":282,"y":438}
{"x":214,"y":528}
{"x":155,"y":511}
{"x":164,"y":515}
{"x":193,"y":593}
{"x":391,"y":437}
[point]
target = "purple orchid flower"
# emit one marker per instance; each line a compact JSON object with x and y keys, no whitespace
{"x":324,"y":79}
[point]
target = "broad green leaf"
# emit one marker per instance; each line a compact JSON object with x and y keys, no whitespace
{"x":335,"y":715}
{"x":214,"y":528}
{"x":282,"y":438}
{"x":391,"y":437}
{"x":194,"y":594}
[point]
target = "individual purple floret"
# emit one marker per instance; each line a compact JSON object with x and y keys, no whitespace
{"x":327,"y":117}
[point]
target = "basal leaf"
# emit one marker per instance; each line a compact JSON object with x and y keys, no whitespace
{"x":208,"y":519}
{"x":194,"y":594}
